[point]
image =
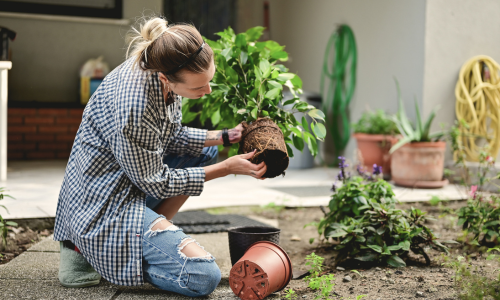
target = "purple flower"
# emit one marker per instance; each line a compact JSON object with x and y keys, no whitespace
{"x":377,"y":169}
{"x":340,"y":176}
{"x":342,"y":163}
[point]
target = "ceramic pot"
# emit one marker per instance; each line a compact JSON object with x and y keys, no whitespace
{"x":264,"y":269}
{"x":241,"y":238}
{"x":374,"y":149}
{"x":419,"y":165}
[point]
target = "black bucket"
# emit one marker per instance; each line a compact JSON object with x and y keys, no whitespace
{"x":241,"y":238}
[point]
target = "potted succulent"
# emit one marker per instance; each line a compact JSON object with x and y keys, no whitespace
{"x":418,"y":157}
{"x":248,"y":87}
{"x":375,"y":133}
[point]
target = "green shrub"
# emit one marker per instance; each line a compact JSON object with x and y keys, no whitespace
{"x":248,"y":84}
{"x":367,"y":226}
{"x":375,"y":122}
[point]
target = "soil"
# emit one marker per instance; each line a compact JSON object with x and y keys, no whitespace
{"x":19,"y":239}
{"x":265,"y":136}
{"x":376,"y":282}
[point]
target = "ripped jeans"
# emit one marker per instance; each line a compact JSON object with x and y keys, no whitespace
{"x":164,"y":264}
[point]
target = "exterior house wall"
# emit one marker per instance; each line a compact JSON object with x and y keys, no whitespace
{"x":390,"y":41}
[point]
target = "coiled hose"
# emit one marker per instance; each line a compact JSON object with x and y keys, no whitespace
{"x":478,"y":104}
{"x":338,"y":80}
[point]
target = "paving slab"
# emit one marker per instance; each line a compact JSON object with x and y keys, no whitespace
{"x":14,"y":289}
{"x":148,"y":292}
{"x":31,"y":265}
{"x":36,"y":185}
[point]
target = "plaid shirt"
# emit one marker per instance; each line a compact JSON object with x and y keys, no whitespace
{"x":116,"y":160}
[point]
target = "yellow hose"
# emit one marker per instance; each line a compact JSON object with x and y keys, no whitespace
{"x":478,"y":104}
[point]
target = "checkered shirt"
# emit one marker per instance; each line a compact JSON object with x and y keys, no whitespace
{"x":116,"y":160}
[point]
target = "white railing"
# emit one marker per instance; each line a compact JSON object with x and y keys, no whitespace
{"x":4,"y":67}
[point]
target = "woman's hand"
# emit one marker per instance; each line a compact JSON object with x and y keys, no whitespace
{"x":235,"y":134}
{"x":240,"y":165}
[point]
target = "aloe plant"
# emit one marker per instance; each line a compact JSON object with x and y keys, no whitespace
{"x":418,"y":133}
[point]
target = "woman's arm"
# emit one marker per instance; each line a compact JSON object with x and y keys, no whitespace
{"x":214,"y":137}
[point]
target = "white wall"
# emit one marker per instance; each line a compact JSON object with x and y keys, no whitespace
{"x":456,"y":30}
{"x":47,"y":54}
{"x":389,"y":36}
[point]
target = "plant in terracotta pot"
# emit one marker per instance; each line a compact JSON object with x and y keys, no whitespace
{"x":247,"y":87}
{"x":418,"y":157}
{"x":374,"y":133}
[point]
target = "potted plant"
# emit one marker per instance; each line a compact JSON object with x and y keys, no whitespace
{"x":374,"y":133}
{"x":248,"y":87}
{"x":418,"y":157}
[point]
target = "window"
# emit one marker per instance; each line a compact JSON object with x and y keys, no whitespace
{"x":82,"y":8}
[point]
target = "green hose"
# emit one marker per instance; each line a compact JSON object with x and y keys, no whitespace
{"x":340,"y":80}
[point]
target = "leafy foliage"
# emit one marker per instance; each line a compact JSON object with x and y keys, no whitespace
{"x":375,"y":122}
{"x":3,"y":223}
{"x":481,"y":218}
{"x":469,"y":281}
{"x":418,"y":133}
{"x":316,"y":281}
{"x":367,"y":226}
{"x":248,"y":84}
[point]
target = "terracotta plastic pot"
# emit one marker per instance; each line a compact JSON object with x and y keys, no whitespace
{"x":374,"y":149}
{"x":241,"y":238}
{"x":419,"y":165}
{"x":264,"y":269}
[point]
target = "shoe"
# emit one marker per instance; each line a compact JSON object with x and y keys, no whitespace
{"x":74,"y":270}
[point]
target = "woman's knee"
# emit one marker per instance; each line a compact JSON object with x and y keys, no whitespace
{"x":206,"y":279}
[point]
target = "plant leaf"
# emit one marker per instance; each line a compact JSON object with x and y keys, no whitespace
{"x":375,"y":248}
{"x":298,"y":142}
{"x":317,"y":114}
{"x":319,"y":130}
{"x":395,"y":261}
{"x":215,"y":118}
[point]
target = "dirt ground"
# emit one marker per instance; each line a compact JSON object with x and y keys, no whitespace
{"x":20,"y":239}
{"x":416,"y":281}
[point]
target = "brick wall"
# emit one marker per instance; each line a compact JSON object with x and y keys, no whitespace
{"x":42,"y":133}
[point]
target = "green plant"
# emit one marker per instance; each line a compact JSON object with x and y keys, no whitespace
{"x":277,"y":208}
{"x":470,"y":282}
{"x":248,"y":85}
{"x":3,"y":223}
{"x":375,"y":122}
{"x":366,"y":225}
{"x":481,"y":218}
{"x":290,"y":294}
{"x":322,"y":283}
{"x":418,"y":133}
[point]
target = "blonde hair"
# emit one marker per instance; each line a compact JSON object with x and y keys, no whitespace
{"x":160,"y":47}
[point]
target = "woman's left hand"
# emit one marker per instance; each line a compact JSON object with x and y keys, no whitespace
{"x":235,"y":134}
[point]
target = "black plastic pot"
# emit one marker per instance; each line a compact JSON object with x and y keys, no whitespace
{"x":241,"y":238}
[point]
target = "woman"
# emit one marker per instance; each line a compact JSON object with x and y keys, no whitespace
{"x":133,"y":166}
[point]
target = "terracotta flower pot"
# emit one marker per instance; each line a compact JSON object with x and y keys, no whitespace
{"x":374,"y":149}
{"x":264,"y":269}
{"x":241,"y":238}
{"x":419,"y":165}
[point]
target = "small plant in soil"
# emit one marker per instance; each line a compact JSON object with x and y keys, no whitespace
{"x":365,"y":225}
{"x":375,"y":122}
{"x":471,"y":281}
{"x":315,"y":279}
{"x":248,"y":86}
{"x":4,"y":225}
{"x":480,"y":219}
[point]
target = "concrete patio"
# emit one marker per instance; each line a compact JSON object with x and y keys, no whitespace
{"x":35,"y":186}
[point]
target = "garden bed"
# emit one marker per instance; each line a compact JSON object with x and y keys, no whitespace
{"x":417,"y":280}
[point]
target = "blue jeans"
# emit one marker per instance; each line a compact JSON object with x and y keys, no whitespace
{"x":164,"y":265}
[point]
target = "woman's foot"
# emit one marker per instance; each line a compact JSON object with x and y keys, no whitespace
{"x":74,"y":270}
